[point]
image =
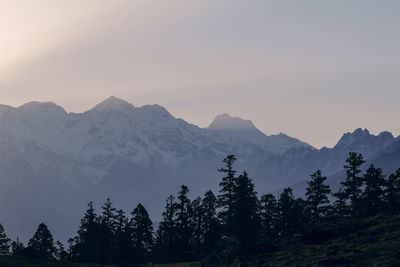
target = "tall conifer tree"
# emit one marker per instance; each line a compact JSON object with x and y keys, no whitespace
{"x":246,"y":217}
{"x":340,"y":207}
{"x":225,"y":198}
{"x":392,"y":192}
{"x":60,"y":252}
{"x":17,"y":247}
{"x":142,"y":233}
{"x":353,"y":182}
{"x":286,"y":219}
{"x":4,"y":242}
{"x":268,"y":213}
{"x":183,"y":223}
{"x":196,"y":218}
{"x":373,"y":195}
{"x":317,"y":195}
{"x":107,"y":238}
{"x":166,"y":233}
{"x":124,"y":247}
{"x":86,"y":246}
{"x":42,"y":242}
{"x":210,"y":226}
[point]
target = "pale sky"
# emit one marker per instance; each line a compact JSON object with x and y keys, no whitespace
{"x":311,"y":69}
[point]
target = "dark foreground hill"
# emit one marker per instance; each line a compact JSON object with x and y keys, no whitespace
{"x":369,"y":242}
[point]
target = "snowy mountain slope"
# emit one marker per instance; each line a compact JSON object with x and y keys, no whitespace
{"x":115,"y":128}
{"x":246,"y":130}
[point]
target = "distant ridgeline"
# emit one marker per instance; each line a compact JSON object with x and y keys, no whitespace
{"x":360,"y":226}
{"x":52,"y":162}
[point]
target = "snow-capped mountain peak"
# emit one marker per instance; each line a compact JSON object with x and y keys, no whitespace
{"x":36,"y":107}
{"x":361,"y":140}
{"x":350,"y":137}
{"x":225,"y":122}
{"x":113,"y":103}
{"x":238,"y":127}
{"x":245,"y":129}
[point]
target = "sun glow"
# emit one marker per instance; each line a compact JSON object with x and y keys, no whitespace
{"x":29,"y":28}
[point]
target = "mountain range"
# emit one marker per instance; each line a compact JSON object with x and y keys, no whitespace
{"x":52,"y":163}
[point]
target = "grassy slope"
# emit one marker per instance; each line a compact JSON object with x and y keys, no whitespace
{"x":371,"y":242}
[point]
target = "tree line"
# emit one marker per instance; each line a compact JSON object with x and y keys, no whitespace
{"x":207,"y":228}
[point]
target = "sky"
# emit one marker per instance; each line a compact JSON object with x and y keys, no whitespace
{"x":311,"y":69}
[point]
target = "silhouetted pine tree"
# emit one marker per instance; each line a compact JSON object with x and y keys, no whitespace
{"x":302,"y":215}
{"x":196,"y":217}
{"x":290,"y":214}
{"x":183,"y":224}
{"x":352,"y":184}
{"x":317,"y":195}
{"x":106,"y":235}
{"x":86,"y":246}
{"x":60,"y":253}
{"x":141,"y":234}
{"x":340,"y":207}
{"x":210,"y":225}
{"x":42,"y":242}
{"x":373,"y":195}
{"x":166,"y":233}
{"x":285,"y":208}
{"x":4,"y":242}
{"x":268,"y":214}
{"x":123,"y":244}
{"x":246,"y":221}
{"x":108,"y":218}
{"x":392,"y":192}
{"x":225,"y":198}
{"x":17,"y":247}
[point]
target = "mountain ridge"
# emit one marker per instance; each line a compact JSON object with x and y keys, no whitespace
{"x":58,"y":160}
{"x":245,"y":129}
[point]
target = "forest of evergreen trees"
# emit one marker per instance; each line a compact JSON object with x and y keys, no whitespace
{"x":204,"y":228}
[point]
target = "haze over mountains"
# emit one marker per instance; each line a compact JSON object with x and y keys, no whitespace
{"x":53,"y":162}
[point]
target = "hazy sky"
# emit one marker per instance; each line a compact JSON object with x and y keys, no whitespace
{"x":310,"y":69}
